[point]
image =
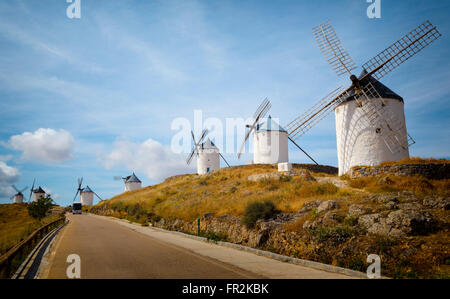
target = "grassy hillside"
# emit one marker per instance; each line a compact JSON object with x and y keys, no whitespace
{"x":227,"y":191}
{"x":16,"y":225}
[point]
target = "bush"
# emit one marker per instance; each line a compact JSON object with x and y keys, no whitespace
{"x":39,"y":209}
{"x":258,"y":210}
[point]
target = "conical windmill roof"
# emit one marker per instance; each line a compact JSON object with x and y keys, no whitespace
{"x":39,"y":190}
{"x":208,"y":144}
{"x":87,"y":190}
{"x":269,"y":125}
{"x":133,"y":179}
{"x":384,"y":91}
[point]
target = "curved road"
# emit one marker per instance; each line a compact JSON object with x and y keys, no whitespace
{"x":113,"y":249}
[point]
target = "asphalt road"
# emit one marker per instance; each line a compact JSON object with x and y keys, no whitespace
{"x":110,"y":250}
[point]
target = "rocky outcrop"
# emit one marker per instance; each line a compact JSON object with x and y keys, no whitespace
{"x":356,"y":210}
{"x":327,"y":206}
{"x":399,"y":223}
{"x":437,"y":202}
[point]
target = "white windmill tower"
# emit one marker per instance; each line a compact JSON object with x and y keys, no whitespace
{"x":37,"y":193}
{"x":131,"y":182}
{"x":270,"y":140}
{"x":86,"y":194}
{"x":208,"y":154}
{"x":18,"y":197}
{"x":370,"y":118}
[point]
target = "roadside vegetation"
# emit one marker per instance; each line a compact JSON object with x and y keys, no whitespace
{"x":16,"y":224}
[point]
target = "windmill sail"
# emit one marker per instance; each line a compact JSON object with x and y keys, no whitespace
{"x":402,"y":50}
{"x":260,"y":113}
{"x":305,"y":122}
{"x":333,"y":50}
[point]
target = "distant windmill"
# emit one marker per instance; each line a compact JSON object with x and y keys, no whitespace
{"x":86,"y":194}
{"x":208,"y":154}
{"x":370,"y":119}
{"x":132,"y":182}
{"x":270,"y":139}
{"x":37,"y":193}
{"x":18,"y":197}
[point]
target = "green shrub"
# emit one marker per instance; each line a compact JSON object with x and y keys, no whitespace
{"x":258,"y":210}
{"x":39,"y":209}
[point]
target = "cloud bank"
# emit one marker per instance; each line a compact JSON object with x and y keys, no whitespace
{"x":8,"y":176}
{"x":150,"y":157}
{"x":44,"y":145}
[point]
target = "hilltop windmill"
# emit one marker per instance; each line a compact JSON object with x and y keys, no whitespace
{"x":37,"y":193}
{"x":18,"y":197}
{"x":132,"y":182}
{"x":208,"y":154}
{"x":270,"y":140}
{"x":370,"y":119}
{"x":86,"y":194}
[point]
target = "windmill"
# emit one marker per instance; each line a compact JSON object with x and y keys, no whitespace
{"x":132,"y":182}
{"x":37,"y":193}
{"x":208,"y":154}
{"x":18,"y":197}
{"x":270,"y":139}
{"x":86,"y":194}
{"x":370,"y":121}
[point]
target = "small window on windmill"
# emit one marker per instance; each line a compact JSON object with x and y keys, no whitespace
{"x":378,"y":130}
{"x":359,"y":104}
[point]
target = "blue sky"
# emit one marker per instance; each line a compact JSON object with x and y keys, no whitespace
{"x":105,"y":88}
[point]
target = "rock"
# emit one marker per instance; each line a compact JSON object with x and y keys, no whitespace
{"x":309,"y":224}
{"x":208,"y":216}
{"x":358,"y":210}
{"x":391,"y":205}
{"x":309,"y":206}
{"x":387,"y":198}
{"x":401,"y":223}
{"x":329,"y":219}
{"x":368,"y":221}
{"x":284,"y":217}
{"x":438,"y":202}
{"x":304,"y":175}
{"x":327,"y":206}
{"x":412,"y":222}
{"x":385,"y":181}
{"x":410,"y":206}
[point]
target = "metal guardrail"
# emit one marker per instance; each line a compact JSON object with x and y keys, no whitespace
{"x":10,"y":261}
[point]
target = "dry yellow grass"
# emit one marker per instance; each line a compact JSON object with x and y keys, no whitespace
{"x":419,"y":185}
{"x":16,"y":225}
{"x":227,"y":191}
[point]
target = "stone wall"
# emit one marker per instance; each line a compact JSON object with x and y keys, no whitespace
{"x":430,"y":171}
{"x":317,"y":168}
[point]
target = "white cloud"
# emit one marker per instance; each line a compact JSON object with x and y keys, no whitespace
{"x":150,"y":157}
{"x":8,"y":176}
{"x":44,"y":145}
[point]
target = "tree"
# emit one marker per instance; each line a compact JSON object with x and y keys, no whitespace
{"x":39,"y":209}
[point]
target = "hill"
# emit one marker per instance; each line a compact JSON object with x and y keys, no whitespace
{"x":316,"y":216}
{"x":16,"y":225}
